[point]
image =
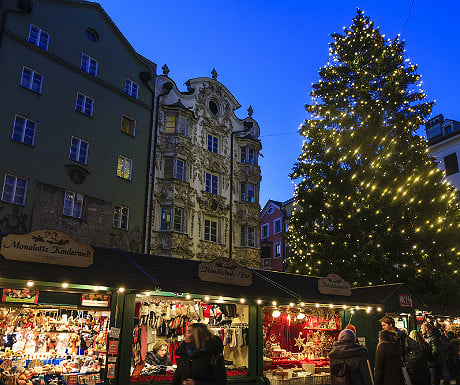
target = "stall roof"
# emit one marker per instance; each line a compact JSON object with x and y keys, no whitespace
{"x":306,"y":287}
{"x":389,"y":296}
{"x":110,"y":268}
{"x":440,"y":310}
{"x":115,"y":268}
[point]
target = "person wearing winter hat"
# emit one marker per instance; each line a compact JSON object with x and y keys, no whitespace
{"x":348,"y":361}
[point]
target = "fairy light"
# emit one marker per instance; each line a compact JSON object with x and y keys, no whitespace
{"x":392,"y":105}
{"x":188,"y":296}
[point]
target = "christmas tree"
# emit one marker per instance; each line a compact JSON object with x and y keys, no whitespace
{"x":370,"y":202}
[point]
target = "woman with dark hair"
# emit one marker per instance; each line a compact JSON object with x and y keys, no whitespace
{"x":388,"y":360}
{"x":200,"y":359}
{"x":419,"y":373}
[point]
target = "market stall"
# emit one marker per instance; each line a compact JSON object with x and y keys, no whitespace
{"x":299,"y":336}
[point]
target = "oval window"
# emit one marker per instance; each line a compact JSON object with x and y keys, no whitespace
{"x":213,"y":107}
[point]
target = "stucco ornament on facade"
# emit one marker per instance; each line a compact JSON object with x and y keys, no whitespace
{"x":202,"y":207}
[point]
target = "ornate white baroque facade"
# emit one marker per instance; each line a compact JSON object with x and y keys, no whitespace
{"x":191,"y":192}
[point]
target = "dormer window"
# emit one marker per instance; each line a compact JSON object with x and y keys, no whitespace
{"x":448,"y":129}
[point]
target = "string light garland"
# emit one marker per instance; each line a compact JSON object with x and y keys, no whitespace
{"x":370,"y":202}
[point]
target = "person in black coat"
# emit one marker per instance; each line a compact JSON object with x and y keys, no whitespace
{"x":200,"y":359}
{"x":419,"y":373}
{"x":388,"y":360}
{"x":433,"y":339}
{"x":353,"y":355}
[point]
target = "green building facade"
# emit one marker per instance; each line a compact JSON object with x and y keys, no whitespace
{"x":76,"y":123}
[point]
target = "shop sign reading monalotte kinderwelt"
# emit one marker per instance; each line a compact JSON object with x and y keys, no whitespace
{"x":47,"y":246}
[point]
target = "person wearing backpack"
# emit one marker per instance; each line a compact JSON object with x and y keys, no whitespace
{"x":348,"y":361}
{"x":200,"y":359}
{"x":387,"y":369}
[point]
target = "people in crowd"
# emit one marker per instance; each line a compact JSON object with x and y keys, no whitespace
{"x":444,"y":358}
{"x":348,"y":360}
{"x":388,"y":360}
{"x":200,"y":358}
{"x":410,"y":350}
{"x":454,"y":356}
{"x":420,"y":375}
{"x":433,"y":339}
{"x":159,"y":355}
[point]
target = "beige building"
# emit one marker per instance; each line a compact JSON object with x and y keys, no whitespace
{"x":191,"y":194}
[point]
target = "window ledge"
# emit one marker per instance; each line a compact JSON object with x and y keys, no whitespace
{"x":88,"y":116}
{"x":214,"y":243}
{"x":31,"y":90}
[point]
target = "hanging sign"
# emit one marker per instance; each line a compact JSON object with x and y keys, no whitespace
{"x":224,"y":270}
{"x":113,"y":347}
{"x":47,"y":246}
{"x":20,"y":295}
{"x":405,"y":300}
{"x":95,"y":300}
{"x":335,"y":285}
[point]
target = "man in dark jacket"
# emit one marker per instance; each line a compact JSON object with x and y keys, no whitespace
{"x":433,"y":339}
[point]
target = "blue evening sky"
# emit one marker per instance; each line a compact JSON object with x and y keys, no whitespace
{"x":267,"y":53}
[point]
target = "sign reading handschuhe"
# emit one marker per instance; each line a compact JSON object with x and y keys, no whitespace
{"x":47,"y":246}
{"x":224,"y":270}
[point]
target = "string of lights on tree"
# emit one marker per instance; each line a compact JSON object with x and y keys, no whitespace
{"x":370,"y":202}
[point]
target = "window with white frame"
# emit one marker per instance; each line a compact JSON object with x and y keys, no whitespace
{"x":176,"y":124}
{"x":264,"y":230}
{"x":84,"y":104}
{"x":73,"y":204}
{"x":128,"y":125}
{"x":277,"y":250}
{"x":247,"y":155}
{"x":124,"y":167}
{"x":212,"y":183}
{"x":172,"y":218}
{"x":277,"y":226}
{"x":79,"y":150}
{"x":131,"y":88}
{"x":88,"y":64}
{"x":120,"y":217}
{"x":248,"y":236}
{"x":211,"y":230}
{"x":24,"y":130}
{"x":174,"y":167}
{"x":14,"y":189}
{"x":213,"y":143}
{"x":247,"y":192}
{"x":39,"y":37}
{"x":31,"y":80}
{"x":286,"y":226}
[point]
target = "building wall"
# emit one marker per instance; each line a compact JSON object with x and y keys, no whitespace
{"x":270,"y":260}
{"x":275,"y":211}
{"x":47,"y":161}
{"x":444,"y":148}
{"x":192,"y":107}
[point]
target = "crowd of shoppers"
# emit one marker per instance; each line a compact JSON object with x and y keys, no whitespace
{"x":424,"y":357}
